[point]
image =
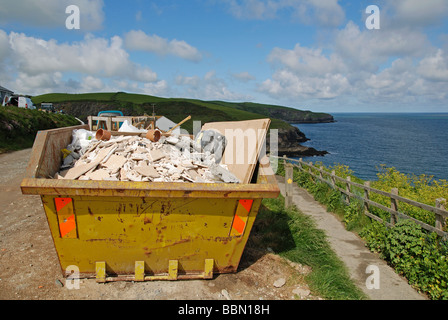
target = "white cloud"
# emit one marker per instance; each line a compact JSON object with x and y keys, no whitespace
{"x":306,"y":73}
{"x":159,"y":88}
{"x":367,"y":50}
{"x":5,"y":55}
{"x":306,"y":61}
{"x":289,"y":85}
{"x":392,"y":83}
{"x":327,"y":13}
{"x":243,"y":76}
{"x":29,"y":84}
{"x":373,"y":68}
{"x":192,"y":82}
{"x":92,"y":56}
{"x":417,"y":13}
{"x":323,"y":13}
{"x":4,"y":45}
{"x":139,"y":40}
{"x":51,"y":13}
{"x":92,"y":84}
{"x":435,"y":67}
{"x":208,"y":87}
{"x":42,"y":64}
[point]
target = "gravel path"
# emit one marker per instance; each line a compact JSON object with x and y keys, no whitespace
{"x":352,"y":251}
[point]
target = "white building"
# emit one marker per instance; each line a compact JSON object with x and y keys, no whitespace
{"x":166,"y":124}
{"x":4,"y":93}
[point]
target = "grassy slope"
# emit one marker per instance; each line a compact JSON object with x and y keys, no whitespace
{"x":294,"y":236}
{"x":268,"y":110}
{"x":18,"y":127}
{"x":177,"y":108}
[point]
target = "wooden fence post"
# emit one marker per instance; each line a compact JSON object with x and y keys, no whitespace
{"x":440,"y":220}
{"x":393,"y":206}
{"x":348,"y":189}
{"x":333,"y":179}
{"x":366,"y":196}
{"x":289,"y":179}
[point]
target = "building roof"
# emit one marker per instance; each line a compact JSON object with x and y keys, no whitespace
{"x":165,"y":124}
{"x":5,"y":90}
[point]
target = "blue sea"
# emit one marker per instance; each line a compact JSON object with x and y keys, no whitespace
{"x":415,"y":143}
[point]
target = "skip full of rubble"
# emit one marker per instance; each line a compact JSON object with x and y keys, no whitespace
{"x":175,"y":158}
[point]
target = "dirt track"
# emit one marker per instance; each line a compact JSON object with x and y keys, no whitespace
{"x":29,"y":268}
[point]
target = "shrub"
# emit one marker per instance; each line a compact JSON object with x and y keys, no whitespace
{"x":415,"y":254}
{"x":375,"y":235}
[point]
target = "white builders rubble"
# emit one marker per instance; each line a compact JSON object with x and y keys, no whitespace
{"x":133,"y":158}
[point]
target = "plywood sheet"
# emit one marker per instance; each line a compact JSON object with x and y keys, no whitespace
{"x":245,"y":140}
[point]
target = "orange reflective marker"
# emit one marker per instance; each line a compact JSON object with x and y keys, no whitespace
{"x":241,"y":216}
{"x":66,"y":218}
{"x":247,"y":204}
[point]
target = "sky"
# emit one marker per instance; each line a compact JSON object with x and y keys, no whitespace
{"x":318,"y":55}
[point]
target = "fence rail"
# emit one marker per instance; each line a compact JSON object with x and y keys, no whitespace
{"x":441,"y":214}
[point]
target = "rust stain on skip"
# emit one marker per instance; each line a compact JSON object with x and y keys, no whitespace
{"x":105,"y":240}
{"x":147,"y":251}
{"x":187,"y":193}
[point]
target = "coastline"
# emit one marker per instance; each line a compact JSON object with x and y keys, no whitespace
{"x":413,"y":143}
{"x":290,"y":144}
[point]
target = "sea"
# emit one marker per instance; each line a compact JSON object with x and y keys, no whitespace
{"x":413,"y":143}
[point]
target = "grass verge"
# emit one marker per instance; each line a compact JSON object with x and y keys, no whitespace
{"x":294,"y":236}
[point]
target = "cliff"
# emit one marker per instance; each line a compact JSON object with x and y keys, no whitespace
{"x":289,"y":144}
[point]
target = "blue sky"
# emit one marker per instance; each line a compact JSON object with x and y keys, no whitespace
{"x":308,"y":54}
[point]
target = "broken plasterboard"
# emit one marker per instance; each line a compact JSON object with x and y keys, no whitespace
{"x":115,"y":162}
{"x":245,"y":140}
{"x":78,"y":171}
{"x":147,"y":171}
